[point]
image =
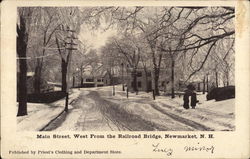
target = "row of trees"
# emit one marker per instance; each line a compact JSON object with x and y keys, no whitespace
{"x":191,"y":42}
{"x":46,"y":37}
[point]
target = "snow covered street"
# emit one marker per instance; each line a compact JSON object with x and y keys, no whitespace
{"x":96,"y":109}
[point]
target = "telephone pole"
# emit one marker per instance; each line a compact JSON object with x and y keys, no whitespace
{"x":71,"y":37}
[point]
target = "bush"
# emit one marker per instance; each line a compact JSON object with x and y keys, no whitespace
{"x":221,"y":93}
{"x":47,"y":97}
{"x":213,"y":93}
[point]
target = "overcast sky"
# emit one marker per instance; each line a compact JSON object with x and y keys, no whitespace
{"x":96,"y":38}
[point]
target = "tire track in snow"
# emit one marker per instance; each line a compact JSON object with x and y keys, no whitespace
{"x":182,"y":120}
{"x":121,"y":117}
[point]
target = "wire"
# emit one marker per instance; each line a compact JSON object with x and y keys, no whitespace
{"x":37,"y":57}
{"x":30,"y":58}
{"x":22,"y":58}
{"x":54,"y":48}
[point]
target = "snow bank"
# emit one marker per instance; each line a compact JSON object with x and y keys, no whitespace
{"x":39,"y":115}
{"x":218,"y":115}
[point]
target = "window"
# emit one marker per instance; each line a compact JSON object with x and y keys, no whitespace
{"x":139,"y":84}
{"x":149,"y":74}
{"x":139,"y":74}
{"x":89,"y":80}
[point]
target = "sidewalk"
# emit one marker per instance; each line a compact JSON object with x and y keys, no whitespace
{"x":39,"y":114}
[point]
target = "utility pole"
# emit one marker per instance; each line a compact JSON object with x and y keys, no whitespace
{"x":70,"y":49}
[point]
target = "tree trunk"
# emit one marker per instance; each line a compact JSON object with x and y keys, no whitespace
{"x":123,"y":89}
{"x":216,"y":79}
{"x":156,"y":79}
{"x":135,"y":81}
{"x":207,"y":84}
{"x":146,"y":79}
{"x":204,"y":84}
{"x":81,"y":82}
{"x":73,"y":82}
{"x":22,"y":88}
{"x":37,"y":78}
{"x":22,"y":40}
{"x":64,"y":75}
{"x":227,"y":78}
{"x":172,"y":79}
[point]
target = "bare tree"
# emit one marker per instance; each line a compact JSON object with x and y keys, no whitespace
{"x":110,"y":59}
{"x":174,"y":33}
{"x":45,"y":23}
{"x":132,"y":54}
{"x":206,"y":28}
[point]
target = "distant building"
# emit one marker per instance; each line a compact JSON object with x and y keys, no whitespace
{"x":145,"y":82}
{"x":143,"y":79}
{"x":110,"y":80}
{"x":91,"y":81}
{"x":99,"y":82}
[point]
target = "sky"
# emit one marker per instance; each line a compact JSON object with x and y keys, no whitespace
{"x":95,"y":38}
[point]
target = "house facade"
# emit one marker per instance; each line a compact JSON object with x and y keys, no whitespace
{"x":115,"y":79}
{"x":92,"y":82}
{"x":143,"y":80}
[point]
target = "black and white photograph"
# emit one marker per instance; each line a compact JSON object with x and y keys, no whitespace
{"x":125,"y":79}
{"x":125,"y":68}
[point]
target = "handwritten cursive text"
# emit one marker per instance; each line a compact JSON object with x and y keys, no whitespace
{"x":157,"y":148}
{"x":198,"y":147}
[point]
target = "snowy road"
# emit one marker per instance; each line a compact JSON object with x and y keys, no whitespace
{"x":92,"y":112}
{"x":97,"y":110}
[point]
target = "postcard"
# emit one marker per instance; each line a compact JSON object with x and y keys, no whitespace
{"x":125,"y":79}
